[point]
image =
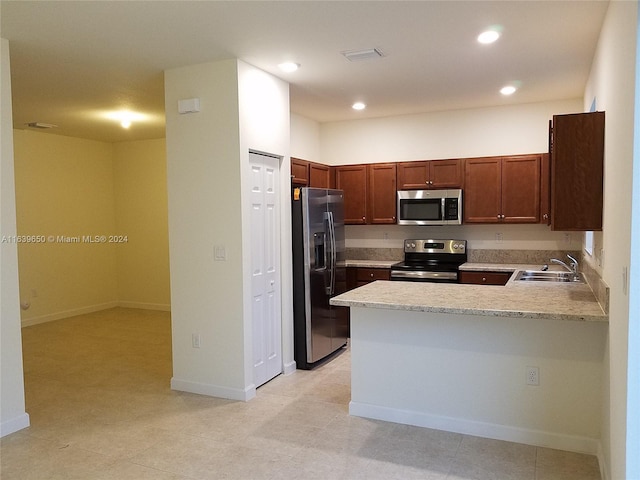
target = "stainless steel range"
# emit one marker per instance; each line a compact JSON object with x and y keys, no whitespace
{"x":430,"y":261}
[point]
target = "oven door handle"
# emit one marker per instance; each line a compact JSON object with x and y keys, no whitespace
{"x":418,"y":275}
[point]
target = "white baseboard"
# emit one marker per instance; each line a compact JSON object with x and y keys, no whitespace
{"x":602,"y":462}
{"x":93,"y":308}
{"x":146,"y":306}
{"x":213,"y":390}
{"x":289,"y":368}
{"x":480,"y":429}
{"x":15,"y":424}
{"x":68,"y":313}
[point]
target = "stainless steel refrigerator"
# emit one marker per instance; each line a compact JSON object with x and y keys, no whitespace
{"x":319,"y":273}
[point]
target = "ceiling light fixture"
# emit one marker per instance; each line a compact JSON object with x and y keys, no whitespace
{"x":358,"y":106}
{"x":508,"y":90}
{"x":125,"y":117}
{"x":289,"y":67}
{"x":490,"y":35}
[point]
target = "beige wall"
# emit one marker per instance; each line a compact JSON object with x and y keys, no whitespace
{"x":140,"y":181}
{"x":611,"y":83}
{"x":12,"y":407}
{"x":68,"y":188}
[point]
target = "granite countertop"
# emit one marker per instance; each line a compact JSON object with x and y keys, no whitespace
{"x":516,"y":299}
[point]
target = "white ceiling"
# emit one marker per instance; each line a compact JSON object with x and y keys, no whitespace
{"x":72,"y":60}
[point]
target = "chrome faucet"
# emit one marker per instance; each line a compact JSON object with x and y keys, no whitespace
{"x":572,"y":267}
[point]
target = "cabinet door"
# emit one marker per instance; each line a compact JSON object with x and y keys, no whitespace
{"x":577,"y":167}
{"x":353,"y":180}
{"x":367,"y":275}
{"x":319,"y":175}
{"x":446,"y":173}
{"x":413,"y":175}
{"x":521,"y":189}
{"x":482,"y":194}
{"x":299,"y":172}
{"x":382,"y":193}
{"x":545,"y":190}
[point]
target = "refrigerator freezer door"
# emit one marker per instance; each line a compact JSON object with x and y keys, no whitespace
{"x":316,"y":237}
{"x":339,"y":315}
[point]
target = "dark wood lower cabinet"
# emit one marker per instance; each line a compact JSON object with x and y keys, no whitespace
{"x":359,"y":276}
{"x":484,"y":278}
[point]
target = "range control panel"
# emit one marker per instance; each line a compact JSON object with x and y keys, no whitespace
{"x":435,"y":246}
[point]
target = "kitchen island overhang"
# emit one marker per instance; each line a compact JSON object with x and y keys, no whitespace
{"x":454,"y":357}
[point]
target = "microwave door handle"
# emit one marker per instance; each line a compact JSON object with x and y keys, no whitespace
{"x":442,"y":208}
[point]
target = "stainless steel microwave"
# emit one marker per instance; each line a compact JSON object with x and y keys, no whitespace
{"x":430,"y":207}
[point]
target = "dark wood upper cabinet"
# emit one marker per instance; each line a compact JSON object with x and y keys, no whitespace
{"x":353,"y":180}
{"x":430,"y":174}
{"x":521,"y":189}
{"x":545,"y":190}
{"x":319,"y":175}
{"x":577,"y":170}
{"x":369,"y":193}
{"x":483,"y":190}
{"x":310,"y":174}
{"x":299,"y":172}
{"x":503,"y":189}
{"x":382,"y":193}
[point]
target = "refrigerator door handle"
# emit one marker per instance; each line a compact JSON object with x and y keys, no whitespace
{"x":332,"y":266}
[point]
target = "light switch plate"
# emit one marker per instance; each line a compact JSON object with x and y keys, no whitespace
{"x":219,"y":253}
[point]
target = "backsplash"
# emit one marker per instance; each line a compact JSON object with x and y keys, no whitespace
{"x":375,"y":254}
{"x":530,"y":257}
{"x":597,"y":284}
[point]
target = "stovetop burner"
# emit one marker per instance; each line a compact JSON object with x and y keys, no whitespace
{"x":430,"y":260}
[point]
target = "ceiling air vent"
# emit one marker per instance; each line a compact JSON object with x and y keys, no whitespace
{"x":358,"y":55}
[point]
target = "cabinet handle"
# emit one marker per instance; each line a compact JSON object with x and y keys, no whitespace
{"x":545,"y":216}
{"x":484,"y":279}
{"x":371,"y":275}
{"x":364,"y":219}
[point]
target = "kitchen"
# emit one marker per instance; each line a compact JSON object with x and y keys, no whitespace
{"x":493,"y":131}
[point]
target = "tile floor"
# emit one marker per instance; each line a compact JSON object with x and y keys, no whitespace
{"x":97,"y":391}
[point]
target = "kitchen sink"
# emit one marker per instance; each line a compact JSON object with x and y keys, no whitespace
{"x":547,"y":276}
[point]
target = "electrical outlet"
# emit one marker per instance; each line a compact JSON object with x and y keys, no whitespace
{"x":567,"y":238}
{"x":385,"y":236}
{"x":498,"y":237}
{"x":195,"y":340}
{"x":533,"y":376}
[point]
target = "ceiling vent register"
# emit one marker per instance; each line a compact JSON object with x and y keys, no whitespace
{"x":359,"y":55}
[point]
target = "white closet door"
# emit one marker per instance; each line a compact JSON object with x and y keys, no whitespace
{"x":265,"y":267}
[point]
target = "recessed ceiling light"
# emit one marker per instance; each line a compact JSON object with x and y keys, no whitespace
{"x":358,"y":106}
{"x":508,"y":90}
{"x":490,"y":35}
{"x":289,"y":67}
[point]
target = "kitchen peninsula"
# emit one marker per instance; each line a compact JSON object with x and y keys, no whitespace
{"x":455,"y":357}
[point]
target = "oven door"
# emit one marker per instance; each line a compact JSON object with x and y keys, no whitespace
{"x":409,"y":272}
